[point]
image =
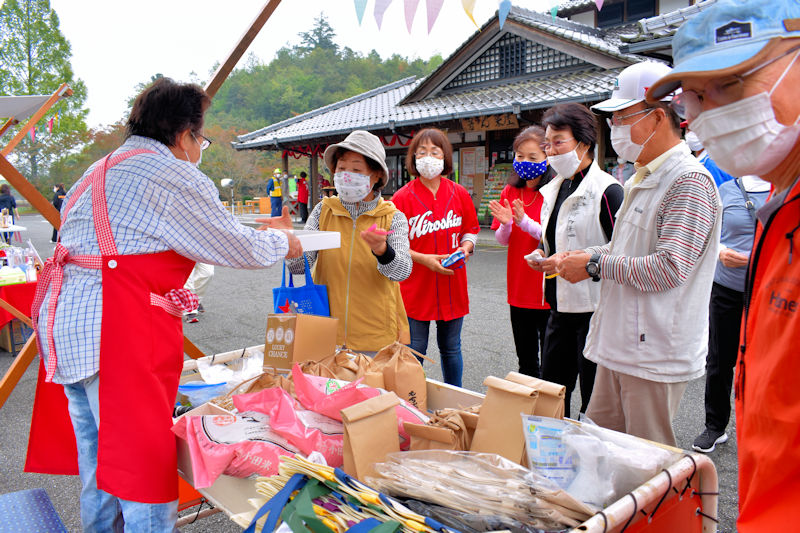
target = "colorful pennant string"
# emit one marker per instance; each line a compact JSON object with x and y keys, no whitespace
{"x":411,"y":10}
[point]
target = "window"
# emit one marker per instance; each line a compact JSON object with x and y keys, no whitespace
{"x":512,"y":59}
{"x":625,"y":11}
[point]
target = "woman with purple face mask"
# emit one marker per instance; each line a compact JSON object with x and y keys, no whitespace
{"x":516,"y":221}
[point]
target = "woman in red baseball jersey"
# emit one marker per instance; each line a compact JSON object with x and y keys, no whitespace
{"x":516,"y":221}
{"x":442,"y":220}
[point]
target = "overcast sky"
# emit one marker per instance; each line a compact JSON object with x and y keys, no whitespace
{"x":114,"y":49}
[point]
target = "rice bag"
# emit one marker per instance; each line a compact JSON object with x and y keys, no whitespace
{"x":329,"y":396}
{"x":306,"y":430}
{"x":236,"y":445}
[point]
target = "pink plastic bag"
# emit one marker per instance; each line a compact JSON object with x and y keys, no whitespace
{"x":329,"y":396}
{"x":306,"y":430}
{"x":236,"y":445}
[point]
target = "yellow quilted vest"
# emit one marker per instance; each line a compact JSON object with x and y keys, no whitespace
{"x":369,"y":305}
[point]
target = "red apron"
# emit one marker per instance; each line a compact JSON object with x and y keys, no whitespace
{"x":141,"y":358}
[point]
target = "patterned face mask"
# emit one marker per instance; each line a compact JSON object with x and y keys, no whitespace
{"x":528,"y":170}
{"x":430,"y":167}
{"x":352,"y":187}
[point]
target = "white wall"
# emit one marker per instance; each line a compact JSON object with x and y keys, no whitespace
{"x":667,"y":6}
{"x":587,"y":17}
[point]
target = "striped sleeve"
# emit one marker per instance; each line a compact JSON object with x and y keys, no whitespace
{"x":399,"y":268}
{"x":684,"y":225}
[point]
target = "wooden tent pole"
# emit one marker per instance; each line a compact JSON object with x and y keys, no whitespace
{"x":17,"y":368}
{"x":10,"y":122}
{"x":26,"y":189}
{"x":62,"y":91}
{"x":241,"y":47}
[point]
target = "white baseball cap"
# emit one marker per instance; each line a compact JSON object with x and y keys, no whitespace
{"x":632,"y":84}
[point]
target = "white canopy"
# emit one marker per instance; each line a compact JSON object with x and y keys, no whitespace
{"x":20,"y":107}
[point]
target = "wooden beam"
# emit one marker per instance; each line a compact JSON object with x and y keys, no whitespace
{"x":16,"y":312}
{"x":241,"y":47}
{"x":18,"y":368}
{"x":24,"y":187}
{"x":191,"y":350}
{"x":61,"y":92}
{"x":10,"y":122}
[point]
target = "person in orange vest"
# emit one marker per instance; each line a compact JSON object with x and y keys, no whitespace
{"x":738,"y":64}
{"x":275,"y":192}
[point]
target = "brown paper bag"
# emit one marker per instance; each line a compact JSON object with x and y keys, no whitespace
{"x":499,"y":424}
{"x":403,"y":374}
{"x":551,"y":395}
{"x":425,"y":437}
{"x":348,"y":365}
{"x":370,"y":433}
{"x":445,"y":430}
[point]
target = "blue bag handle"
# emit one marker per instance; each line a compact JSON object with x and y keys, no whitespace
{"x":276,"y":504}
{"x":365,"y":526}
{"x":309,"y":279}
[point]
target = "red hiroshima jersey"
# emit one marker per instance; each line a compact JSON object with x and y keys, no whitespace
{"x":436,"y":226}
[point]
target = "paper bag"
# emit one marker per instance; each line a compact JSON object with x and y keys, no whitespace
{"x":370,"y":433}
{"x":551,"y":395}
{"x":403,"y":374}
{"x":444,"y":431}
{"x":431,"y":437}
{"x":499,"y":429}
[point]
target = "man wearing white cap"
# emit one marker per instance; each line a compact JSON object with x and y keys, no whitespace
{"x":739,"y":66}
{"x":649,"y":336}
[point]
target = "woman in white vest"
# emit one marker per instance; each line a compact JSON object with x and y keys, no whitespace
{"x":578,"y":211}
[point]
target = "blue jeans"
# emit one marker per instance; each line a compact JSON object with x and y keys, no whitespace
{"x":100,"y":511}
{"x":448,"y":337}
{"x":276,"y":202}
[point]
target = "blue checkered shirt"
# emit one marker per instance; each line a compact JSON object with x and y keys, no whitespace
{"x":156,"y":202}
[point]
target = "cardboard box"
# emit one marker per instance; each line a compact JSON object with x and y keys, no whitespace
{"x":318,"y":240}
{"x":294,"y":338}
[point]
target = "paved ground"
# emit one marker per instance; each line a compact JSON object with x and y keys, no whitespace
{"x":238,"y":303}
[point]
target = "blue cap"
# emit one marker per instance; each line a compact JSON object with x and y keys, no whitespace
{"x":724,"y":36}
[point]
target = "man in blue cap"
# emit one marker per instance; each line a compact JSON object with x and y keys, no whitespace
{"x":737,"y":63}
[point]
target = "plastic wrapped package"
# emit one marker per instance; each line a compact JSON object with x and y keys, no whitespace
{"x":595,"y":465}
{"x":237,"y":445}
{"x":329,"y":396}
{"x":306,"y":430}
{"x":471,"y":522}
{"x":478,"y":483}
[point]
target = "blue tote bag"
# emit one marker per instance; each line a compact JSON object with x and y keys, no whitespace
{"x":309,"y":299}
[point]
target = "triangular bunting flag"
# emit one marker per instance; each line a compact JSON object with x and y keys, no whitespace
{"x":33,"y":135}
{"x":469,"y":7}
{"x":361,"y":6}
{"x":504,"y":9}
{"x":553,"y":11}
{"x":50,"y":125}
{"x":380,"y":9}
{"x":411,"y":10}
{"x":599,"y":4}
{"x":434,"y":6}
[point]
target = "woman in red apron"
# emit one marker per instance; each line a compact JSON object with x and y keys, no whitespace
{"x":108,"y":311}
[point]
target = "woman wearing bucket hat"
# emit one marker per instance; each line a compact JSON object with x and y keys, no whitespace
{"x":442,"y":221}
{"x":738,"y":64}
{"x":362,"y":274}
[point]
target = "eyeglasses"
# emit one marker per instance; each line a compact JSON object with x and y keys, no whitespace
{"x":689,"y":104}
{"x":617,"y":120}
{"x":438,"y":154}
{"x":204,"y":141}
{"x":558,"y":145}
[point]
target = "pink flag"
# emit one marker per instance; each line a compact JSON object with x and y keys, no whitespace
{"x":361,"y":5}
{"x":411,"y":10}
{"x":50,"y":125}
{"x":434,"y":6}
{"x":33,"y":135}
{"x":380,"y":9}
{"x":599,"y":4}
{"x":504,"y":9}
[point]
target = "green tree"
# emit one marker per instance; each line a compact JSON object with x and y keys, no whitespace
{"x":320,"y":36}
{"x":35,"y":59}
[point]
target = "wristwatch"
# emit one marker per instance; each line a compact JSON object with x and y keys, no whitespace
{"x":593,"y":267}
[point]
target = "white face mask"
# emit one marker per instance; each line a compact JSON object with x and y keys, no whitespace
{"x":745,"y":137}
{"x":566,"y":165}
{"x":199,"y":159}
{"x":352,"y":187}
{"x":430,"y":167}
{"x":624,"y":145}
